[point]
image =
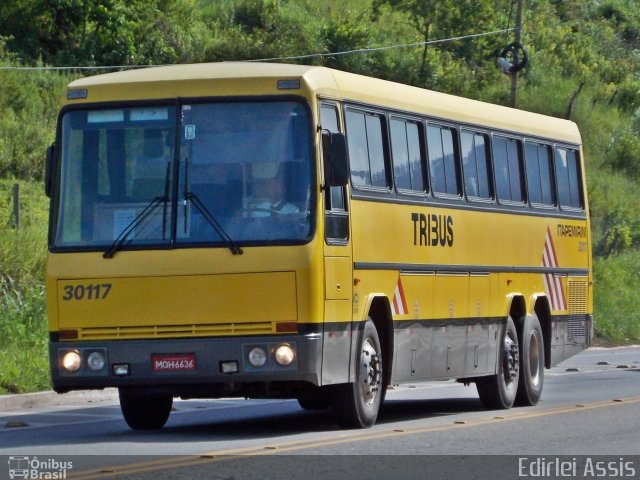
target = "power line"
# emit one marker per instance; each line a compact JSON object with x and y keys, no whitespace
{"x":390,"y":47}
{"x":292,"y":57}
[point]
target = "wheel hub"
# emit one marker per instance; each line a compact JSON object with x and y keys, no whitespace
{"x":511,"y":364}
{"x":371,"y":372}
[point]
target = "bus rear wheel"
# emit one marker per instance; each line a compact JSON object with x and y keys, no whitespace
{"x":531,"y":362}
{"x":356,"y":405}
{"x":145,"y":411}
{"x":499,"y":391}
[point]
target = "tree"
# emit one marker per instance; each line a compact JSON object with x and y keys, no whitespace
{"x":344,"y":32}
{"x":97,"y":32}
{"x":446,"y":19}
{"x":254,"y":29}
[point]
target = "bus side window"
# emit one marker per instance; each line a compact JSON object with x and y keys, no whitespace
{"x":539,"y":174}
{"x":336,"y":216}
{"x":443,"y":165}
{"x":406,"y":139}
{"x":366,"y":149}
{"x":508,"y":170}
{"x":476,"y":165}
{"x":329,"y":121}
{"x":568,"y":175}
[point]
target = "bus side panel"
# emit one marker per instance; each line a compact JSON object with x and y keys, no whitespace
{"x":338,"y":308}
{"x":478,"y":333}
{"x":412,"y":304}
{"x":336,"y":349}
{"x":570,"y":334}
{"x":413,"y":347}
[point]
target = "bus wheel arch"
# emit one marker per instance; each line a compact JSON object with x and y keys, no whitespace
{"x":542,"y":310}
{"x":380,"y":315}
{"x":518,"y":311}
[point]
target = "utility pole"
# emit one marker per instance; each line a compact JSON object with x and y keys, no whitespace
{"x":514,"y":76}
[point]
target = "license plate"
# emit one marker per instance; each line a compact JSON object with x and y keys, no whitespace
{"x":173,"y":362}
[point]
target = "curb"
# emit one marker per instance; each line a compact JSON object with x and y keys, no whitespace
{"x":53,"y":399}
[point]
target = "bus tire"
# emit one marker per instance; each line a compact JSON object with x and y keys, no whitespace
{"x":356,"y":405}
{"x":499,"y":391}
{"x":145,"y":411}
{"x":531,"y":362}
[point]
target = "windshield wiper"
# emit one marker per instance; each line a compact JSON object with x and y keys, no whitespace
{"x":235,"y":249}
{"x":126,"y":231}
{"x":120,"y":239}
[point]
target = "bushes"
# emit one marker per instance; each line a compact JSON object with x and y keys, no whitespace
{"x":617,"y":303}
{"x":23,"y":353}
{"x":23,"y":327}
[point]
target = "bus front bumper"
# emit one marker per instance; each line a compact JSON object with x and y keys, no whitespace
{"x":190,"y":367}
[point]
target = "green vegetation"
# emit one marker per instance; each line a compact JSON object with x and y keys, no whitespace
{"x":619,"y":274}
{"x":584,"y":65}
{"x":23,"y":352}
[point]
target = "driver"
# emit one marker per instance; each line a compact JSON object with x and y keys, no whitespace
{"x":270,"y":198}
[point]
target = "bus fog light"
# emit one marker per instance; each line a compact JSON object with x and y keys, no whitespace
{"x":120,"y":369}
{"x":96,"y":361}
{"x":285,"y":355}
{"x":229,"y":367}
{"x":257,"y":357}
{"x":72,"y":361}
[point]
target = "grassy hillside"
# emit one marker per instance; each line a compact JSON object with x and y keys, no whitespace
{"x":23,"y":351}
{"x":584,"y":65}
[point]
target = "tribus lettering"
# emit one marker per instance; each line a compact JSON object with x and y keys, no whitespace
{"x":432,"y":230}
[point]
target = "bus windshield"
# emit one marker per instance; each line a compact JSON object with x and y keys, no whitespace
{"x":218,"y":174}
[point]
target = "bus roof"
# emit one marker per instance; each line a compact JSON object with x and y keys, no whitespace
{"x":242,"y":78}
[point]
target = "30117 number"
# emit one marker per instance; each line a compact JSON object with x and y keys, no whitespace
{"x":94,"y":291}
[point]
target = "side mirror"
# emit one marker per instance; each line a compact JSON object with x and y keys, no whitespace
{"x":49,"y":169}
{"x":334,"y":153}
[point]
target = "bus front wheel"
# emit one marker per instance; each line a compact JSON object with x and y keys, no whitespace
{"x":145,"y":411}
{"x":356,"y":405}
{"x":499,"y":391}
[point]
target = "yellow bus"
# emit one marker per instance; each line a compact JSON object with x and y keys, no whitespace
{"x":287,"y":231}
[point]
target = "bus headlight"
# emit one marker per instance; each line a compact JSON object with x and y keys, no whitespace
{"x":257,"y":357}
{"x":72,"y":361}
{"x":285,"y":355}
{"x":96,"y":361}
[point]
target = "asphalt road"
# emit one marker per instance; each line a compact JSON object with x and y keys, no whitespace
{"x":587,"y":425}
